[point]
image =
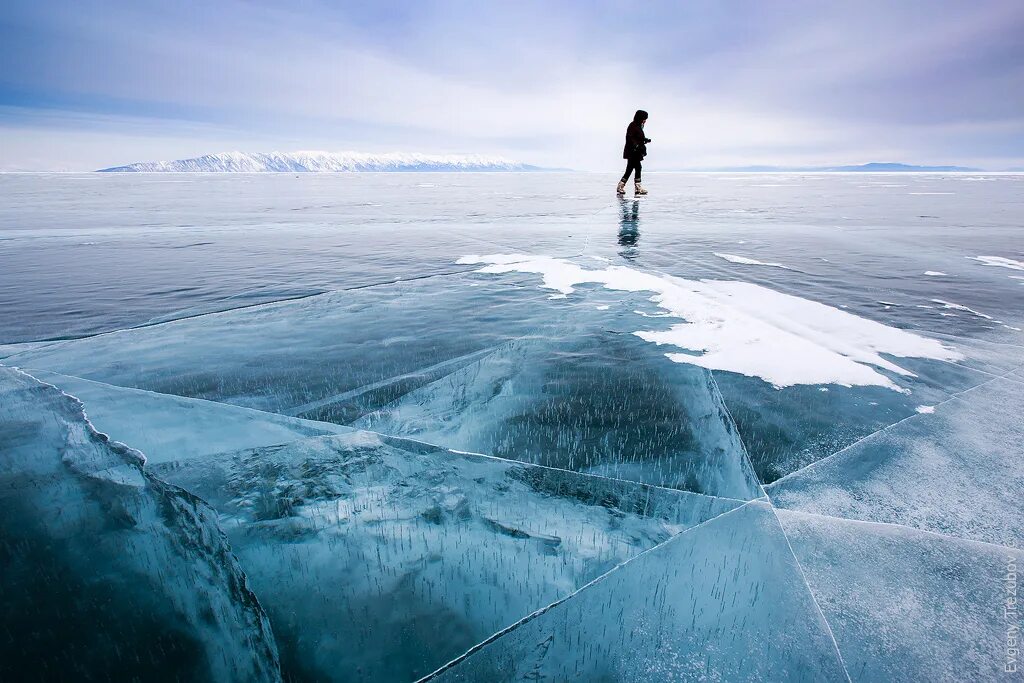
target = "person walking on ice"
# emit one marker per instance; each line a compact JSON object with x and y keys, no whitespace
{"x":634,"y":152}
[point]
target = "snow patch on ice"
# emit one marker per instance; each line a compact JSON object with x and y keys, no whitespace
{"x":925,"y":409}
{"x":745,"y":328}
{"x":960,"y":307}
{"x":732,"y":258}
{"x":999,"y":261}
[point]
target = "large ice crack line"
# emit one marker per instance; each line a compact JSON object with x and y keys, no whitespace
{"x":810,"y":591}
{"x":901,"y":528}
{"x":789,"y":544}
{"x":452,"y":363}
{"x":1008,"y":376}
{"x":595,"y":581}
{"x":746,"y":328}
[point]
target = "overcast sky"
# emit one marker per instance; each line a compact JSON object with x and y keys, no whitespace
{"x":87,"y":84}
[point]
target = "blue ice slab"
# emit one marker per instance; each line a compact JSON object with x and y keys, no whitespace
{"x":992,"y":357}
{"x":723,"y":601}
{"x":906,"y":605}
{"x":957,"y":470}
{"x":565,"y":384}
{"x":597,"y":402}
{"x":107,"y":571}
{"x":369,"y":346}
{"x":171,"y":428}
{"x":790,"y":411}
{"x":787,"y":429}
{"x":381,"y":559}
{"x":191,"y":245}
{"x":7,"y":350}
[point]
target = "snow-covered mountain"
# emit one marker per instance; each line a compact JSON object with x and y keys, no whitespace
{"x":324,"y":162}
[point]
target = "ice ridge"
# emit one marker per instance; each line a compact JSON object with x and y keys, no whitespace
{"x":108,"y":567}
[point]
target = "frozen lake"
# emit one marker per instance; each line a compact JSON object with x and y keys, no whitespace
{"x":88,"y":253}
{"x":751,"y":426}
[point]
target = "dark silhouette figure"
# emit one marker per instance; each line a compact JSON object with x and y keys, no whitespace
{"x":634,"y":152}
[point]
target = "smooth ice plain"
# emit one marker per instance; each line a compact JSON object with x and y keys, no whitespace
{"x":501,"y":427}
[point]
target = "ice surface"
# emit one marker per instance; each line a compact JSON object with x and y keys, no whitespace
{"x":993,"y":358}
{"x":107,"y":570}
{"x":747,"y":261}
{"x":745,"y":328}
{"x":366,"y":539}
{"x":1000,"y":261}
{"x":528,"y":379}
{"x":330,"y":357}
{"x":723,"y":601}
{"x":170,"y":428}
{"x":12,"y":349}
{"x":415,"y":553}
{"x":905,"y":605}
{"x":785,"y":430}
{"x":191,"y":244}
{"x":956,"y":469}
{"x":966,"y":309}
{"x":596,"y":402}
{"x":381,"y":559}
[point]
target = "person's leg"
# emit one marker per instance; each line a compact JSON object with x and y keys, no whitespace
{"x":637,"y":187}
{"x":629,"y":170}
{"x":621,"y":189}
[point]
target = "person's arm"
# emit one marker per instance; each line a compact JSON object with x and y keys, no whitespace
{"x":636,"y":135}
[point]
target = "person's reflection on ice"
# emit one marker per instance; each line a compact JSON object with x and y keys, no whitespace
{"x":629,"y":227}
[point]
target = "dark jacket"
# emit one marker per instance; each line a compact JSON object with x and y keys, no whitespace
{"x":636,"y":142}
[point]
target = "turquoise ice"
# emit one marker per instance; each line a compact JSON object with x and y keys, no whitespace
{"x":476,"y":431}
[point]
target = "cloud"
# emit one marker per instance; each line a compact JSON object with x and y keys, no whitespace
{"x":741,"y":82}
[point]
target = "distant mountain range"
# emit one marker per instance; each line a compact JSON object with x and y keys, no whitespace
{"x":873,"y":167}
{"x":351,"y":162}
{"x":324,"y":162}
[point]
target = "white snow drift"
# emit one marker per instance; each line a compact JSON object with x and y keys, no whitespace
{"x":746,"y":328}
